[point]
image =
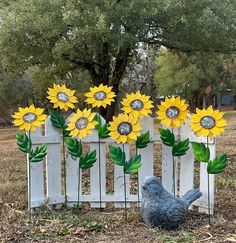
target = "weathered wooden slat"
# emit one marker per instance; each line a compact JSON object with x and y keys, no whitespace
{"x":147,"y":155}
{"x":35,"y":175}
{"x":97,"y":180}
{"x":53,"y":161}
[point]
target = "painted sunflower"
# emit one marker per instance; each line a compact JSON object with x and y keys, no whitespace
{"x":137,"y":105}
{"x":172,"y":112}
{"x":81,"y":123}
{"x":29,"y":118}
{"x":100,"y":96}
{"x":208,"y":122}
{"x":62,"y":97}
{"x":124,"y":128}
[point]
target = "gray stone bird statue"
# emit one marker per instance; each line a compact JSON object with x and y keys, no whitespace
{"x":160,"y":208}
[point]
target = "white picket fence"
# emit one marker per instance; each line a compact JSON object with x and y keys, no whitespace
{"x":46,"y":176}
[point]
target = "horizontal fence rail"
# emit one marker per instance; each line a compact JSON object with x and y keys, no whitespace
{"x":46,"y":176}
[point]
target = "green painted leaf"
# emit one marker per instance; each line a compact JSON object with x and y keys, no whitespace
{"x":57,"y":119}
{"x":143,"y":140}
{"x":167,"y":137}
{"x":87,"y":160}
{"x":180,"y":148}
{"x":38,"y":154}
{"x":59,"y":122}
{"x":133,"y":165}
{"x":103,"y":132}
{"x":97,"y":118}
{"x":217,"y":165}
{"x":66,"y":133}
{"x":23,"y":142}
{"x":201,"y":152}
{"x":74,"y":147}
{"x":117,"y":155}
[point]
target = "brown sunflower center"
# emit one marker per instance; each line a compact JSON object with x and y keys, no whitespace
{"x":100,"y":95}
{"x":208,"y":122}
{"x":124,"y":128}
{"x":63,"y":97}
{"x":82,"y":123}
{"x":137,"y":105}
{"x":29,"y":117}
{"x":172,"y":112}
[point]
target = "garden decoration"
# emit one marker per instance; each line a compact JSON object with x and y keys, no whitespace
{"x":162,"y":209}
{"x":100,"y":96}
{"x":208,"y":123}
{"x":172,"y":113}
{"x":80,"y":125}
{"x":27,"y":119}
{"x":62,"y":98}
{"x":124,"y":129}
{"x":138,"y":105}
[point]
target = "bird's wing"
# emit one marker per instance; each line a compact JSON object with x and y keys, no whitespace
{"x":176,"y":211}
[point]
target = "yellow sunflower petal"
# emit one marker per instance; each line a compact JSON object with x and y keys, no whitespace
{"x":221,"y":123}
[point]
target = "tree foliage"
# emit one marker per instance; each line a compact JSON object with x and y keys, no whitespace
{"x":100,"y":36}
{"x":191,"y":75}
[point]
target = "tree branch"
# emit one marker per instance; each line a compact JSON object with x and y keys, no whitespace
{"x":183,"y":49}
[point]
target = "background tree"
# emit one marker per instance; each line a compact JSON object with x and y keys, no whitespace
{"x":101,"y":36}
{"x":199,"y":77}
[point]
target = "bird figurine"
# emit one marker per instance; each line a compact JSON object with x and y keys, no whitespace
{"x":162,"y":209}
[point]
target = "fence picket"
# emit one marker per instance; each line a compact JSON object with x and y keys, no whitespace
{"x":36,"y":193}
{"x":53,"y":162}
{"x":203,"y":201}
{"x":72,"y":165}
{"x":147,"y":154}
{"x":186,"y":177}
{"x":94,"y":173}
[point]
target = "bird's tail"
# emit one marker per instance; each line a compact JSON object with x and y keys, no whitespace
{"x":191,"y":196}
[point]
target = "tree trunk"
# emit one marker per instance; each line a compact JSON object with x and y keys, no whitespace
{"x":111,"y":110}
{"x":102,"y":74}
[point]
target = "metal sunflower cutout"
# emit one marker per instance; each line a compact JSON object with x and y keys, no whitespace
{"x":124,"y":128}
{"x":208,"y":122}
{"x":62,"y":97}
{"x":29,"y":118}
{"x":137,"y":105}
{"x":172,"y":112}
{"x":101,"y":95}
{"x":82,"y":123}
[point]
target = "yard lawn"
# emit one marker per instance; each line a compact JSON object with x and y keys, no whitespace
{"x":91,"y":225}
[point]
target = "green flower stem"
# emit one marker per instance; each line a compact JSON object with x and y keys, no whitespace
{"x":29,"y":180}
{"x":78,"y":186}
{"x":138,"y":183}
{"x":126,"y":217}
{"x":208,"y":190}
{"x":64,"y":164}
{"x":173,"y":164}
{"x":99,"y":165}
